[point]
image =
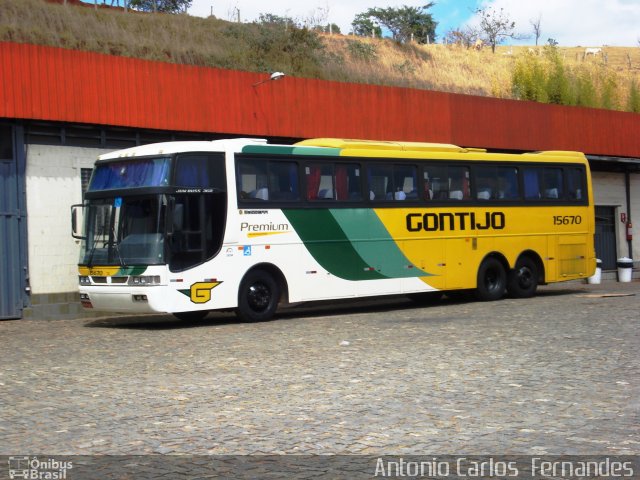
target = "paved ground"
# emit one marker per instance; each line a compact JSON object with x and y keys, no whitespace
{"x":556,"y":374}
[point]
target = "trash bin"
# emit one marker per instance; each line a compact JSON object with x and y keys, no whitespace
{"x":625,"y":269}
{"x":597,"y":276}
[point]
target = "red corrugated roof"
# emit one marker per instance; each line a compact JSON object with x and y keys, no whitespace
{"x":55,"y":84}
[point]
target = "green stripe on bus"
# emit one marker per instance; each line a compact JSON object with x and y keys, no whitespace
{"x":291,"y":150}
{"x":319,"y":151}
{"x":374,"y":244}
{"x":131,"y":270}
{"x":329,"y":246}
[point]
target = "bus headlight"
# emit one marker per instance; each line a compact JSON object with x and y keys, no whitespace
{"x":145,"y":280}
{"x":84,"y":280}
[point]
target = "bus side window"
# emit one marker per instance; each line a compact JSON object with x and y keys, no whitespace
{"x":575,"y":181}
{"x":283,"y":181}
{"x":531,"y":183}
{"x":252,"y":179}
{"x":405,"y":182}
{"x":428,"y":192}
{"x":319,"y":179}
{"x":508,"y":188}
{"x":380,"y":179}
{"x":435,"y":186}
{"x":553,"y":183}
{"x":445,"y":183}
{"x":496,"y":183}
{"x":200,"y":171}
{"x":347,"y":182}
{"x":459,"y":183}
{"x":485,"y":182}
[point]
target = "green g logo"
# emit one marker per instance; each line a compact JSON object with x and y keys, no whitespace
{"x":200,"y":292}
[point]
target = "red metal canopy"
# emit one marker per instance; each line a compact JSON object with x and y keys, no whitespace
{"x":56,"y":84}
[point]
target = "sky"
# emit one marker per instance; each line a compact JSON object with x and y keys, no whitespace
{"x":570,"y":22}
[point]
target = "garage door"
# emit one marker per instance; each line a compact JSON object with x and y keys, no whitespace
{"x":606,"y":237}
{"x":13,"y":246}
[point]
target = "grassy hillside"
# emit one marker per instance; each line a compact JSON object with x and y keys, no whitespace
{"x":610,"y":81}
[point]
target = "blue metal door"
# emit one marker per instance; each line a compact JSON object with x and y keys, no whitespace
{"x":605,"y":238}
{"x":13,"y":228}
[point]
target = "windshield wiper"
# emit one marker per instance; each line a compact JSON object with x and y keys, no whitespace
{"x":115,"y":245}
{"x":93,"y":247}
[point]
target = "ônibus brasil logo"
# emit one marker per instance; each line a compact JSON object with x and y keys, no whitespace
{"x":38,"y":469}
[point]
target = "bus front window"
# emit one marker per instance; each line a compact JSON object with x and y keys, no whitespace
{"x":124,"y":231}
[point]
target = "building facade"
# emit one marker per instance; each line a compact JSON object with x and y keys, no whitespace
{"x":60,"y":109}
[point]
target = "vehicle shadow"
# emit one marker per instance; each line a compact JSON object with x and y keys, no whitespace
{"x":302,"y":310}
{"x":160,"y":322}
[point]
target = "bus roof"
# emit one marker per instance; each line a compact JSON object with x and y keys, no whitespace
{"x":384,"y":145}
{"x":168,"y":148}
{"x":335,"y":147}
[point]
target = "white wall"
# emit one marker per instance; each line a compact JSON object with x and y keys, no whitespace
{"x":53,"y":185}
{"x":609,"y":190}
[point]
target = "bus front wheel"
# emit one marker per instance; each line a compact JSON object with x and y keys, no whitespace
{"x":523,"y":279}
{"x":492,"y":280}
{"x":258,"y":297}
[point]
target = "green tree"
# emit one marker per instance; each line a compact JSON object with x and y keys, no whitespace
{"x":405,"y":23}
{"x":634,"y":98}
{"x":466,"y":37}
{"x":558,"y":88}
{"x":529,"y":79}
{"x":496,"y":26}
{"x":294,"y":50}
{"x":164,"y":6}
{"x":275,"y":20}
{"x":358,"y":50}
{"x":328,"y":28}
{"x":585,"y":91}
{"x":609,"y":91}
{"x":364,"y":25}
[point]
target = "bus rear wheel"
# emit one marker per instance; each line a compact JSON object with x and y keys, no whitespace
{"x":258,"y":297}
{"x":523,"y":279}
{"x":492,"y":280}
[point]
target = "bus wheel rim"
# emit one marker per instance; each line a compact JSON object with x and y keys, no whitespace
{"x":525,"y":277}
{"x":259,"y":296}
{"x":492,"y":280}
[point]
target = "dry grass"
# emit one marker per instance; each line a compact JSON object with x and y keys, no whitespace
{"x":217,"y":43}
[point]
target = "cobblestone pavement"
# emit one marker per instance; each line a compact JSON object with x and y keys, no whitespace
{"x":555,"y":374}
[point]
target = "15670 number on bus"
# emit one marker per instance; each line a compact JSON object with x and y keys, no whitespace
{"x":567,"y":219}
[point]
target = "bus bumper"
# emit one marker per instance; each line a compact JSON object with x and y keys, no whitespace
{"x":144,"y":300}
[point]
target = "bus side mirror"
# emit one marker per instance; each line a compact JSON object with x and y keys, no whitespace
{"x":76,"y":221}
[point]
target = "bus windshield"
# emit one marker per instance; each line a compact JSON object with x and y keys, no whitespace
{"x":146,"y":172}
{"x":124,"y":231}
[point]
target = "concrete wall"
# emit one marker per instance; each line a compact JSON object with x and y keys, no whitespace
{"x":53,"y":185}
{"x":609,"y":190}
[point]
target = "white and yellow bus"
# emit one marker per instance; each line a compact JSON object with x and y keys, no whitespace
{"x":190,"y":227}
